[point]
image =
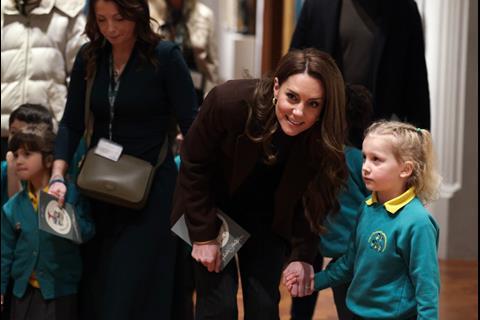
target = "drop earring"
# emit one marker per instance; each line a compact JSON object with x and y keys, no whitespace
{"x":274,"y":101}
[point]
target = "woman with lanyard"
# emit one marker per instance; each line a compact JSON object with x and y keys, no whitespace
{"x":139,"y":83}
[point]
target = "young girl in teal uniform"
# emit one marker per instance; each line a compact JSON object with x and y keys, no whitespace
{"x":392,"y":256}
{"x":339,"y":225}
{"x":45,"y":269}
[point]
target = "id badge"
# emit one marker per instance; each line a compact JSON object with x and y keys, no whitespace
{"x":108,"y":149}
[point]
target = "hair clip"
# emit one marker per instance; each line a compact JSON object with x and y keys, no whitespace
{"x":418,"y":129}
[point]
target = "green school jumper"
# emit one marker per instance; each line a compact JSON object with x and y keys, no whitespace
{"x":391,"y":261}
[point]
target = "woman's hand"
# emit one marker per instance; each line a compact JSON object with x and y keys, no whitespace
{"x":58,"y":188}
{"x":208,"y":254}
{"x":303,"y":273}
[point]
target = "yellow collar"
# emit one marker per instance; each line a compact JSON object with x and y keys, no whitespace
{"x":33,"y":197}
{"x":394,"y":204}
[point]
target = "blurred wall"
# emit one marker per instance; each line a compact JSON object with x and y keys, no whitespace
{"x":463,"y":217}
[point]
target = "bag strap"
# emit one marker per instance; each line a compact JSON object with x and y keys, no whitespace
{"x":163,"y":153}
{"x":89,"y":124}
{"x":88,"y":113}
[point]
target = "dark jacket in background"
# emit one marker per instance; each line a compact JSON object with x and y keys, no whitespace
{"x":399,"y":81}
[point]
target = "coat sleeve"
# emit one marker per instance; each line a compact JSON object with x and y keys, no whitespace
{"x":72,"y":126}
{"x":180,"y":89}
{"x":304,"y":242}
{"x":194,"y":184}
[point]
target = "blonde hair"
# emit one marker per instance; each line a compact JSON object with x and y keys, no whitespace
{"x":412,"y":144}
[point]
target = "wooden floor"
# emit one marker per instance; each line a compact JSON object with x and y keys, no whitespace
{"x":458,"y":295}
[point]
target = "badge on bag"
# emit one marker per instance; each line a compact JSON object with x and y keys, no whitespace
{"x":108,"y":149}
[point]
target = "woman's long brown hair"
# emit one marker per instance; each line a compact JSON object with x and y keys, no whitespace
{"x":326,"y":138}
{"x":136,"y":11}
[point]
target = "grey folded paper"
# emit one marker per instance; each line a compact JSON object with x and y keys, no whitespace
{"x":231,"y":236}
{"x":59,"y":221}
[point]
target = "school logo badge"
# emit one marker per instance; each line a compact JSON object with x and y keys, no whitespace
{"x":378,"y":241}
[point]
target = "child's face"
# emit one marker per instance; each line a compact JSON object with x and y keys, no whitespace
{"x":381,"y":171}
{"x":16,"y":126}
{"x":28,"y":165}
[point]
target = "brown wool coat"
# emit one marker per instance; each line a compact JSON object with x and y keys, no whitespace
{"x":217,"y":157}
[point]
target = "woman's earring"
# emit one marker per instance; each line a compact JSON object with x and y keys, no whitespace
{"x":274,"y":101}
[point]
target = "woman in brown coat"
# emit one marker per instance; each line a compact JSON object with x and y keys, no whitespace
{"x":269,"y":154}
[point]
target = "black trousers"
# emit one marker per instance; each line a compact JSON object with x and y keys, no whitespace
{"x":182,"y":308}
{"x":261,"y":262}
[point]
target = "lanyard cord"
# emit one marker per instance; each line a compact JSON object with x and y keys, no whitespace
{"x":112,"y":95}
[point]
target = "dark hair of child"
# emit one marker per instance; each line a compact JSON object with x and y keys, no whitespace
{"x":34,"y":138}
{"x":32,"y":114}
{"x":359,"y":107}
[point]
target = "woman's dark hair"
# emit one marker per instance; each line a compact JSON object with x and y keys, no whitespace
{"x":136,"y":11}
{"x":34,"y":138}
{"x":326,"y":137}
{"x":32,"y":114}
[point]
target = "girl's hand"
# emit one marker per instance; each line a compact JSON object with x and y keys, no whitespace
{"x":58,"y":188}
{"x":290,"y":279}
{"x":304,"y":272}
{"x":208,"y":254}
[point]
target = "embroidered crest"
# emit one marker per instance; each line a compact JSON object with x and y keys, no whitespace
{"x":378,"y":241}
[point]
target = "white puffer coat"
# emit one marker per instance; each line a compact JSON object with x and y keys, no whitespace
{"x":38,"y":52}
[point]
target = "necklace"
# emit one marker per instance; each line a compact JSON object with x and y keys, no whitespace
{"x":117,"y":72}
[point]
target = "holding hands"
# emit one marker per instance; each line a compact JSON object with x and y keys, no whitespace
{"x":298,"y":278}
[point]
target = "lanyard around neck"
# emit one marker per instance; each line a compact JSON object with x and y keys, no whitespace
{"x":112,"y":95}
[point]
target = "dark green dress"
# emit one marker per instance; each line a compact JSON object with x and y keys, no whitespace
{"x":129,"y":265}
